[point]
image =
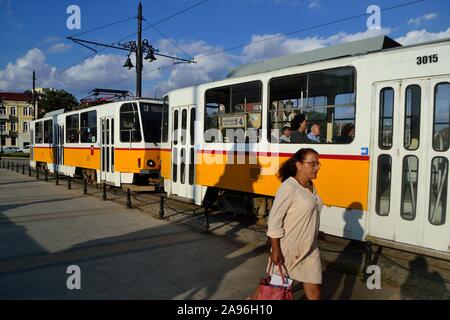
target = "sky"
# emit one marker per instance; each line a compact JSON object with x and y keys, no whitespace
{"x":33,"y":37}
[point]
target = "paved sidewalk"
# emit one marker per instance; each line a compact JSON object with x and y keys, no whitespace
{"x":128,"y":253}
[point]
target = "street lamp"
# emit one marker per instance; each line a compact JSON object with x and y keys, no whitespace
{"x":146,"y":47}
{"x":150,"y":51}
{"x":128,"y":64}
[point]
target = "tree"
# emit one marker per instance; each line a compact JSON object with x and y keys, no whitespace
{"x":50,"y":100}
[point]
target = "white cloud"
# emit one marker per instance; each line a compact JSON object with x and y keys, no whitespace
{"x":50,"y":39}
{"x":417,"y":36}
{"x":213,"y":67}
{"x":270,"y":46}
{"x":207,"y":68}
{"x":21,"y":71}
{"x":421,"y":19}
{"x":59,"y":47}
{"x":106,"y":70}
{"x":314,"y":4}
{"x":94,"y":72}
{"x":98,"y":71}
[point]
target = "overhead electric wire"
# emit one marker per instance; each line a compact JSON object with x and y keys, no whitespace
{"x":291,"y":32}
{"x":104,"y":26}
{"x":110,"y":24}
{"x":156,"y":23}
{"x":307,"y":29}
{"x":262,"y":40}
{"x":79,"y":61}
{"x":168,"y":39}
{"x":178,"y":13}
{"x":165,"y":19}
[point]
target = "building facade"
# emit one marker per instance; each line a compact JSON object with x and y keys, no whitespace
{"x":16,"y":112}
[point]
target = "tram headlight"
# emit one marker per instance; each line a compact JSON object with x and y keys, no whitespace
{"x":150,"y":163}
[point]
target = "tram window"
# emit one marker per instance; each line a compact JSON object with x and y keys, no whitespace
{"x":72,"y":129}
{"x":233,"y":113}
{"x":48,"y":131}
{"x":412,"y":117}
{"x":441,"y":119}
{"x":103,"y":159}
{"x":386,"y":118}
{"x":103,"y":132}
{"x":192,"y":126}
{"x":88,"y":126}
{"x":383,"y":200}
{"x":130,"y":129}
{"x":112,"y":159}
{"x":182,"y":165}
{"x":409,"y":187}
{"x":38,"y":132}
{"x":327,"y":98}
{"x":175,"y":127}
{"x":438,"y":191}
{"x":165,"y":120}
{"x":174,"y":165}
{"x":151,"y":115}
{"x":183,"y":126}
{"x":107,"y":131}
{"x":112,"y":131}
{"x":191,"y":167}
{"x":107,"y":159}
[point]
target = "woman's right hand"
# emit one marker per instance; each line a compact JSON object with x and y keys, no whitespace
{"x":277,"y":256}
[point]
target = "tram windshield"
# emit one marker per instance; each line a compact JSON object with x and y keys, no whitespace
{"x":151,"y":115}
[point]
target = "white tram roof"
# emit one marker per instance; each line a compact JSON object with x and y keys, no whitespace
{"x":65,"y":111}
{"x":54,"y":113}
{"x":359,"y":47}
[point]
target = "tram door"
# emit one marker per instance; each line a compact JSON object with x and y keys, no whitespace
{"x":107,"y":149}
{"x":32,"y":144}
{"x":410,"y":178}
{"x":183,"y":153}
{"x":59,"y":147}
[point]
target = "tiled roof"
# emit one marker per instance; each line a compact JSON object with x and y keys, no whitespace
{"x":14,"y":96}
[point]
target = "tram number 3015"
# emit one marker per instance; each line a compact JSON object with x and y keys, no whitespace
{"x":432,"y":58}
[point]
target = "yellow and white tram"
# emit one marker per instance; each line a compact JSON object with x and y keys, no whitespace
{"x":389,"y":183}
{"x":116,"y":143}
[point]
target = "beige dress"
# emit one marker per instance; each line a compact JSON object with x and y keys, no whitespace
{"x":295,"y":219}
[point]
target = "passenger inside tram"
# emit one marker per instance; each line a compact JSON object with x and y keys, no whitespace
{"x":298,"y":126}
{"x":314,"y":134}
{"x":285,"y":137}
{"x":347,"y":134}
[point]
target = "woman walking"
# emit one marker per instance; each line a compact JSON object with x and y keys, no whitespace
{"x":293,"y":223}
